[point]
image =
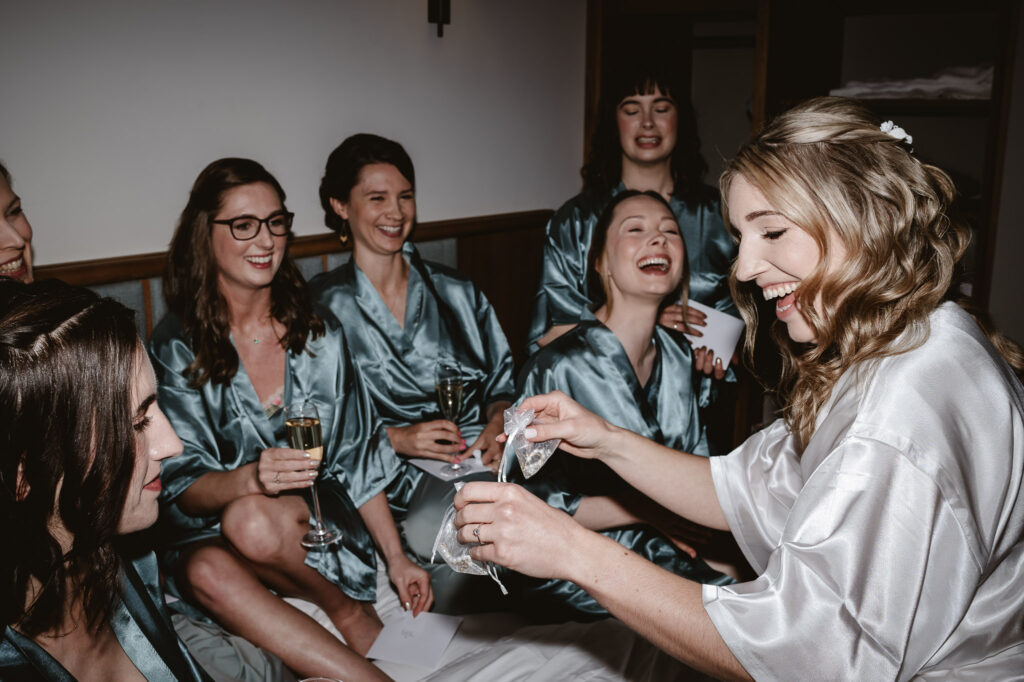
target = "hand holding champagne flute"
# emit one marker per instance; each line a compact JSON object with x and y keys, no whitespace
{"x":302,"y":422}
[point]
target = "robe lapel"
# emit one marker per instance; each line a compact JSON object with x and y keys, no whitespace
{"x":607,"y":345}
{"x":248,"y":404}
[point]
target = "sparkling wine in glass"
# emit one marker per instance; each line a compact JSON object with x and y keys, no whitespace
{"x":303,"y":425}
{"x":449,"y":384}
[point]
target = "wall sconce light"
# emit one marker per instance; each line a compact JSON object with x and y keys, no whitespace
{"x":439,"y":12}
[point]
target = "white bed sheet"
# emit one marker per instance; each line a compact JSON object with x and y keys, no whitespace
{"x":503,"y":647}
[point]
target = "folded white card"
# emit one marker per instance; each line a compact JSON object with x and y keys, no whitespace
{"x":721,"y":334}
{"x":419,"y":641}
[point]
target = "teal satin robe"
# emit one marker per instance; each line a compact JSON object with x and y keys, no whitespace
{"x":444,"y":314}
{"x":140,"y":622}
{"x":590,"y":365}
{"x":562,"y":295}
{"x":223,"y":426}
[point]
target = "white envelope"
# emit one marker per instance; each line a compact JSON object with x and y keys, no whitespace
{"x":721,"y":334}
{"x":419,"y":641}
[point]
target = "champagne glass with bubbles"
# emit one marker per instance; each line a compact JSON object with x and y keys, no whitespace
{"x":449,"y":383}
{"x":302,"y":422}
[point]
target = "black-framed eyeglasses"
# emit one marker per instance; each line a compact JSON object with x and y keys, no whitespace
{"x":246,"y":227}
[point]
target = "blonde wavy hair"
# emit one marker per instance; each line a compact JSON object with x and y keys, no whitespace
{"x":827,"y":164}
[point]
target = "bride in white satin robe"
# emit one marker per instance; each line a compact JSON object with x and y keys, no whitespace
{"x":884,"y":513}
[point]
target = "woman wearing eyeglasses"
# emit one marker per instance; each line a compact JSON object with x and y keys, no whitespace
{"x":242,"y":340}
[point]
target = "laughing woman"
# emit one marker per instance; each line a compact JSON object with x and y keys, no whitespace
{"x":884,"y":512}
{"x":15,"y":233}
{"x":242,"y":339}
{"x":633,"y":372}
{"x":645,"y":139}
{"x":81,"y":442}
{"x":401,"y":314}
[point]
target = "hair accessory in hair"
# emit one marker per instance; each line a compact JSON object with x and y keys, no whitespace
{"x":893,"y":130}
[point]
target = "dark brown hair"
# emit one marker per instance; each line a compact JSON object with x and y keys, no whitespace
{"x":67,"y":447}
{"x":346,"y":162}
{"x":190,"y":281}
{"x":595,"y":286}
{"x":603,"y":170}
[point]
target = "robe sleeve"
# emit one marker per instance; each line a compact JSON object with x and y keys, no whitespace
{"x":499,"y":384}
{"x":560,"y":296}
{"x":187,"y":412}
{"x":552,"y":482}
{"x":863,"y":579}
{"x":359,"y":451}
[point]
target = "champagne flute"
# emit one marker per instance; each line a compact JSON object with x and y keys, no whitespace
{"x":449,"y":383}
{"x":302,"y":422}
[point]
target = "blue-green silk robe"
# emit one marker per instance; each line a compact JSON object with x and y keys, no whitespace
{"x":445,"y":314}
{"x":141,"y":624}
{"x":590,"y":365}
{"x":562,"y":295}
{"x":223,"y":426}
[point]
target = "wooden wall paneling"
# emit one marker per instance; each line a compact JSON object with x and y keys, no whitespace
{"x":506,"y":267}
{"x":501,"y":253}
{"x":141,"y":266}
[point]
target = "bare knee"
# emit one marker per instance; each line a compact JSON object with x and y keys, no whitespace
{"x":210,"y":572}
{"x":261,"y":528}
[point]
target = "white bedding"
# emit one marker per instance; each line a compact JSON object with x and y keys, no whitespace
{"x":502,"y":647}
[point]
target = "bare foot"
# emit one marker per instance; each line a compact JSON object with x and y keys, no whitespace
{"x":359,"y":627}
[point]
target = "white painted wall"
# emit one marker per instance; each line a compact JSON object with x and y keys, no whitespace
{"x":110,"y":108}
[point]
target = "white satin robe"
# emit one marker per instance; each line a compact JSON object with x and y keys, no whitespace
{"x":892,"y":548}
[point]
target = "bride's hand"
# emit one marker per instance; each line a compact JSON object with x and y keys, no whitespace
{"x":583,"y":433}
{"x":519,"y":531}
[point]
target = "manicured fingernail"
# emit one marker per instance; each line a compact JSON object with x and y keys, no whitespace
{"x":312,"y":474}
{"x":530,"y":433}
{"x":407,"y":606}
{"x":307,"y":455}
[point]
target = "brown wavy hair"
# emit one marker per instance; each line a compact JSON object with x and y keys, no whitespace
{"x":67,"y":448}
{"x":826,"y":165}
{"x":190,"y":281}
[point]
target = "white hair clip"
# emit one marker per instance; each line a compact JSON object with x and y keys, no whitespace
{"x":893,"y":130}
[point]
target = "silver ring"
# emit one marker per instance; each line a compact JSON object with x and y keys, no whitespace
{"x":476,"y":532}
{"x":277,"y":478}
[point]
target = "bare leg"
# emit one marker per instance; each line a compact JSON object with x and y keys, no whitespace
{"x":229,"y":586}
{"x":266,"y":532}
{"x":226,"y":586}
